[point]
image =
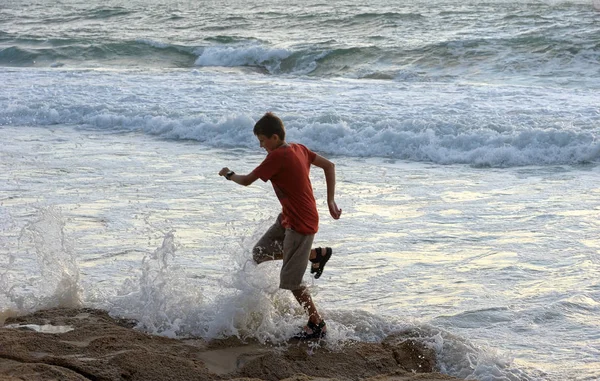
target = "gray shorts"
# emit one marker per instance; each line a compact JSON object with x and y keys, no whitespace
{"x":289,"y":245}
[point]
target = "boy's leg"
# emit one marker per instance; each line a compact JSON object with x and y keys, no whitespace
{"x":296,"y":251}
{"x":270,"y":245}
{"x":303,"y":297}
{"x":316,"y":327}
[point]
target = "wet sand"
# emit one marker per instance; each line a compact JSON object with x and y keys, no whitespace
{"x":86,"y":344}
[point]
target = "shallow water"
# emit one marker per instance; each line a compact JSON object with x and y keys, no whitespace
{"x":496,"y":266}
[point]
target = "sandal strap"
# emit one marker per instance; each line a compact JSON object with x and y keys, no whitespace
{"x":319,"y":255}
{"x":316,"y":328}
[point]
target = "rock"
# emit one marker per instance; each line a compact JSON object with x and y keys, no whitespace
{"x":86,"y":344}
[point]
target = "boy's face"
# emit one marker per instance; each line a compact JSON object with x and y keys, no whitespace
{"x":269,"y":144}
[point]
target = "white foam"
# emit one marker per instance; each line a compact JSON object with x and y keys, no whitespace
{"x":46,"y":328}
{"x":461,"y":358}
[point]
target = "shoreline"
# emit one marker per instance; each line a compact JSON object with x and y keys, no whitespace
{"x":88,"y":344}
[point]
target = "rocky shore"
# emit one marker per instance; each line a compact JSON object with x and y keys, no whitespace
{"x":87,"y":344}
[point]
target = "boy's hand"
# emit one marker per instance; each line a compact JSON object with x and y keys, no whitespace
{"x":334,"y":210}
{"x":224,"y":171}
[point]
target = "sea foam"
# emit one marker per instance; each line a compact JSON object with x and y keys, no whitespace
{"x":483,"y":126}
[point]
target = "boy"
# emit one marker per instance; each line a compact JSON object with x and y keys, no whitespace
{"x":291,"y":236}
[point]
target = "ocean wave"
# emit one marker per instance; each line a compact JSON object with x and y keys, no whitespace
{"x":106,"y":12}
{"x":410,"y":140}
{"x":389,"y":16}
{"x":226,"y":40}
{"x":318,"y":61}
{"x":14,"y":56}
{"x":144,"y":52}
{"x":528,"y":56}
{"x":519,"y":56}
{"x":528,"y":49}
{"x":252,"y":55}
{"x":94,"y":14}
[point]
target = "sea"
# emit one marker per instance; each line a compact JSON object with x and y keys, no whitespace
{"x":466,"y":138}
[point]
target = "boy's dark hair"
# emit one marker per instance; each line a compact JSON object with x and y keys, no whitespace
{"x":270,"y":125}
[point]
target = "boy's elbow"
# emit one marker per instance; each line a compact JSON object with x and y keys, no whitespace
{"x":245,"y":181}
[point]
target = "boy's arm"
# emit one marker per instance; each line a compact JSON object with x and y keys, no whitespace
{"x":329,"y":169}
{"x":244,"y":180}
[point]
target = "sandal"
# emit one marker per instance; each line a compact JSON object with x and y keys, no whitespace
{"x":317,"y":331}
{"x":321,"y":260}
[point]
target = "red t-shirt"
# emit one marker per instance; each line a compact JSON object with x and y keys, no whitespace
{"x":288,"y":169}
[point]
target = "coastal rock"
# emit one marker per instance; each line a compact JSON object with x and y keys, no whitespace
{"x":86,"y":344}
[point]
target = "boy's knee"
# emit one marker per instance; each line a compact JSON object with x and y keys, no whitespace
{"x":261,"y":254}
{"x":258,"y":254}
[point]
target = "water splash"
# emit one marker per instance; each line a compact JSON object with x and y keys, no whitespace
{"x":161,"y":298}
{"x":47,"y":252}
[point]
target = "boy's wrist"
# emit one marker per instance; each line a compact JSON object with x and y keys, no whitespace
{"x":229,"y":174}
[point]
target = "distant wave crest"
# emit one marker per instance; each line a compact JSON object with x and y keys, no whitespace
{"x":522,"y":56}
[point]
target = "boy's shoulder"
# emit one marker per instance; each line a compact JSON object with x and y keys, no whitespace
{"x":299,"y":146}
{"x":287,"y":147}
{"x":291,"y":152}
{"x":297,"y":150}
{"x":301,"y":149}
